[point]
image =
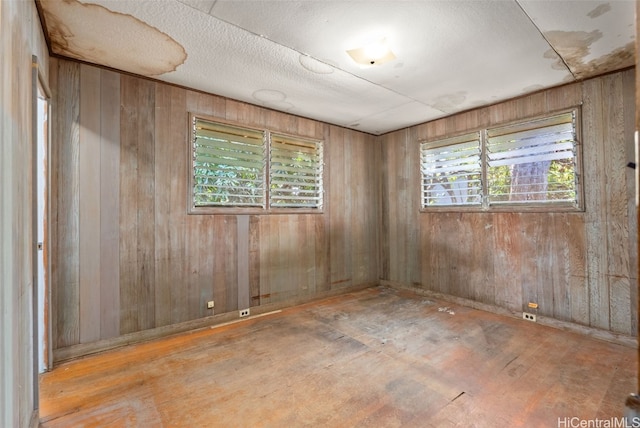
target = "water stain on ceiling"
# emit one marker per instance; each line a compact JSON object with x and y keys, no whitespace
{"x":574,"y":46}
{"x":95,"y":31}
{"x":291,"y":55}
{"x":599,"y":10}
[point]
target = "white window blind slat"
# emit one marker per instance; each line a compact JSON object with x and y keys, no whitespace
{"x":525,"y":151}
{"x":558,"y":129}
{"x":543,"y":157}
{"x":295,"y":173}
{"x":542,"y":140}
{"x":451,"y":171}
{"x":524,"y":165}
{"x":228,"y":165}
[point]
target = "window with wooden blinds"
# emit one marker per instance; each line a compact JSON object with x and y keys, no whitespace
{"x":295,"y":172}
{"x":451,"y":171}
{"x":229,"y":165}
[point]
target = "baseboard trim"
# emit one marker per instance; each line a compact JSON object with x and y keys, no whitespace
{"x":593,"y":332}
{"x":84,"y":349}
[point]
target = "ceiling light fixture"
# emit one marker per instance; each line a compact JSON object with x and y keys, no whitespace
{"x":374,"y":53}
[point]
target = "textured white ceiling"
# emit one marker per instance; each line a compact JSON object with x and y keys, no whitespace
{"x":291,"y":55}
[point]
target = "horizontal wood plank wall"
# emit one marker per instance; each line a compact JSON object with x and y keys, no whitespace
{"x":128,"y":258}
{"x":579,"y":267}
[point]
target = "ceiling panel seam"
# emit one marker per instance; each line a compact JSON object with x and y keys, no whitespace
{"x":316,"y":59}
{"x":545,"y":38}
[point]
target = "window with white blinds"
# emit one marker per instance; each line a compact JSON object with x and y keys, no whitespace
{"x":526,"y":164}
{"x":253,"y":170}
{"x":228,"y":165}
{"x":533,"y":162}
{"x":295,"y":172}
{"x":451,"y":171}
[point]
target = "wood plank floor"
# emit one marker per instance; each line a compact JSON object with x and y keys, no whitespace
{"x":377,"y":357}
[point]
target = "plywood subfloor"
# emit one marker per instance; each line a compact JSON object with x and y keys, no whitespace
{"x":378,"y":357}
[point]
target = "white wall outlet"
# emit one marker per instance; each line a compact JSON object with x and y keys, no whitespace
{"x":210,"y":304}
{"x":529,"y":317}
{"x":244,"y":312}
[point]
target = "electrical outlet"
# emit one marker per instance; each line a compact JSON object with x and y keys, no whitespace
{"x":210,"y":304}
{"x":529,"y":317}
{"x":244,"y":312}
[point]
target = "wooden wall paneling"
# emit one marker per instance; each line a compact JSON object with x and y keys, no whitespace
{"x":171,"y":145}
{"x":54,"y":203}
{"x":244,"y":292}
{"x":359,"y":207}
{"x":20,"y":38}
{"x":348,"y":195}
{"x":636,"y":129}
{"x":532,"y":105}
{"x":340,"y":195}
{"x":384,"y":252}
{"x":427,"y":271}
{"x":229,"y":262}
{"x":89,"y":203}
{"x":282,"y":248}
{"x":267,"y":246}
{"x":109,"y":204}
{"x":307,"y":233}
{"x":571,"y":291}
{"x":146,"y":204}
{"x":206,"y":247}
{"x":393,"y":145}
{"x":293,"y":257}
{"x":254,"y":259}
{"x":374,"y":172}
{"x":617,"y":222}
{"x":246,"y":114}
{"x":298,"y":260}
{"x":129,"y":205}
{"x":560,"y":267}
{"x":533,"y":256}
{"x":281,"y":122}
{"x":629,"y":99}
{"x":309,"y":128}
{"x":162,"y":209}
{"x":205,"y":104}
{"x":547,"y":259}
{"x":305,"y":267}
{"x":137,"y":206}
{"x":372,"y":236}
{"x":219,"y":255}
{"x":506,"y":261}
{"x":395,"y":179}
{"x":563,"y":97}
{"x":66,"y":242}
{"x":205,"y":252}
{"x":595,"y":203}
{"x":323,"y":222}
{"x":177,"y":171}
{"x":444,"y":252}
{"x":411,"y":206}
{"x":482,"y":283}
{"x":465,"y":260}
{"x":576,"y":241}
{"x":502,"y":112}
{"x":321,"y":270}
